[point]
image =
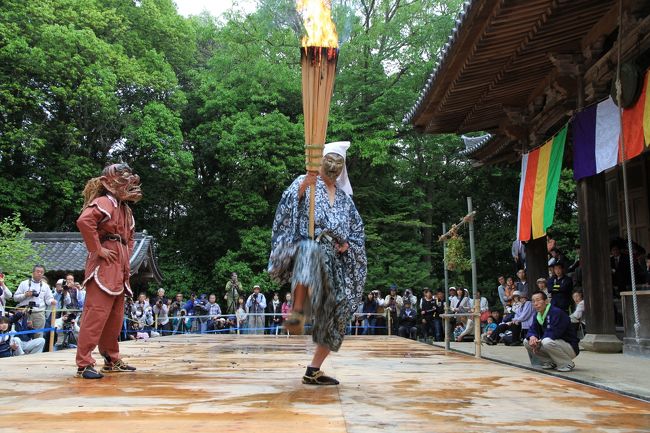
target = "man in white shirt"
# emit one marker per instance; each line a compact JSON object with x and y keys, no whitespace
{"x":35,"y":294}
{"x":256,"y":304}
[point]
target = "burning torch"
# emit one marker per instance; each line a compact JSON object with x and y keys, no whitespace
{"x":318,"y":57}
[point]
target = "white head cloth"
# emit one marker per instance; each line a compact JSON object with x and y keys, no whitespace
{"x":340,"y":148}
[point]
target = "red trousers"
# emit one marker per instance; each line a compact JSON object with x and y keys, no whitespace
{"x":101,"y":325}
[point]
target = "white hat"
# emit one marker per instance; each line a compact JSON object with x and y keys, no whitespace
{"x":60,"y":281}
{"x":340,"y":148}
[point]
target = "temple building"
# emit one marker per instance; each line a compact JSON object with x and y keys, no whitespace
{"x":513,"y":74}
{"x":64,"y":252}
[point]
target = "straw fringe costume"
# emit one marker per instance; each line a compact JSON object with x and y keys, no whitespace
{"x":335,"y":280}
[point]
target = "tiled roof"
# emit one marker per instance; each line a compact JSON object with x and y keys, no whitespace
{"x":66,"y":252}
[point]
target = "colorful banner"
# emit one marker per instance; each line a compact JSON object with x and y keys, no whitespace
{"x":597,"y":134}
{"x":540,"y":180}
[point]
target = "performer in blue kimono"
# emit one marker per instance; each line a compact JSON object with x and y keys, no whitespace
{"x":327,"y":274}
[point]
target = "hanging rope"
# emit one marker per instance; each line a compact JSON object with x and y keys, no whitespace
{"x":619,"y":97}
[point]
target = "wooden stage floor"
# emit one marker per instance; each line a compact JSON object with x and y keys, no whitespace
{"x":252,"y":384}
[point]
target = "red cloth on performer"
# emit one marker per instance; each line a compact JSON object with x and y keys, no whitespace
{"x":106,"y":216}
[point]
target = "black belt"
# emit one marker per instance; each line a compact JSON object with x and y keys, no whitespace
{"x":112,"y":238}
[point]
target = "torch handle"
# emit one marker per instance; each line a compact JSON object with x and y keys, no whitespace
{"x":312,"y":211}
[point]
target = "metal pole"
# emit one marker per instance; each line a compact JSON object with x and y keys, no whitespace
{"x":444,"y":265}
{"x":53,"y":332}
{"x":477,"y":301}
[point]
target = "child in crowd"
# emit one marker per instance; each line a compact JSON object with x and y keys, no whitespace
{"x":541,"y":285}
{"x":490,"y":327}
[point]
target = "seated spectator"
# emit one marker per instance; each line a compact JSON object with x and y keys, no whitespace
{"x":496,"y":315}
{"x":369,"y":310}
{"x":551,"y":341}
{"x":7,"y":343}
{"x":407,"y":321}
{"x":578,"y":316}
{"x":27,"y":343}
{"x":489,"y":329}
{"x":518,"y":326}
{"x":67,"y":331}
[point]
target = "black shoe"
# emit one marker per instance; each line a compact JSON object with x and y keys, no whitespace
{"x":118,"y":366}
{"x":317,"y":377}
{"x":88,"y":372}
{"x":490,"y":342}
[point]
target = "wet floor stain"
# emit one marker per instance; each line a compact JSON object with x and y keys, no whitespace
{"x":251,"y":383}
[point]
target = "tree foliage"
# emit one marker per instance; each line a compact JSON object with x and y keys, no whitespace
{"x":17,"y":255}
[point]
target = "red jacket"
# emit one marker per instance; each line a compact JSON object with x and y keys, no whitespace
{"x":105,"y":216}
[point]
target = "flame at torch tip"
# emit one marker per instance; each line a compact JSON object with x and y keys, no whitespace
{"x":317,"y":19}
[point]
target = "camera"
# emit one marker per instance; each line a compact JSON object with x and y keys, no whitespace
{"x":71,"y":317}
{"x":31,"y":304}
{"x":254,"y":295}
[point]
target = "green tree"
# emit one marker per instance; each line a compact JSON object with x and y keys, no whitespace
{"x":17,"y":255}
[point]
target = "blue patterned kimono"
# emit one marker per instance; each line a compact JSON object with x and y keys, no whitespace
{"x":335,"y":280}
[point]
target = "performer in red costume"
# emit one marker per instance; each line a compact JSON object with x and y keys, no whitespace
{"x":107,"y":226}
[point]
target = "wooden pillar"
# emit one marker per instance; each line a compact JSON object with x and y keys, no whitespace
{"x":536,"y":261}
{"x":594,"y":260}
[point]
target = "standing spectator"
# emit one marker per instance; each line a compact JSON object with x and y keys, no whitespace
{"x":561,"y":288}
{"x":577,"y":317}
{"x":461,"y":303}
{"x":255,"y":305}
{"x":35,"y":294}
{"x":541,"y":285}
{"x":551,"y":341}
{"x":453,"y":295}
{"x":408,"y":294}
{"x":213,"y":310}
{"x":5,"y":294}
{"x":286,"y":306}
{"x":522,"y":284}
{"x":160,"y":296}
{"x":176,"y":306}
{"x":81,"y":296}
{"x":241,"y":315}
{"x":439,"y":305}
{"x":484,"y":306}
{"x":71,"y":287}
{"x":407,"y":321}
{"x":501,"y":290}
{"x":161,"y":311}
{"x":233,"y":291}
{"x":369,"y":310}
{"x":62,"y":295}
{"x":393,"y":296}
{"x":518,"y":251}
{"x":427,"y":312}
{"x":275,"y":314}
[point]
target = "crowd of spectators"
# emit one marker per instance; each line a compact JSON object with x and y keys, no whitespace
{"x":400,"y":312}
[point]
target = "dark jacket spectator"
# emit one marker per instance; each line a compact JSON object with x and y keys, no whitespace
{"x":556,"y":326}
{"x":560,"y":287}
